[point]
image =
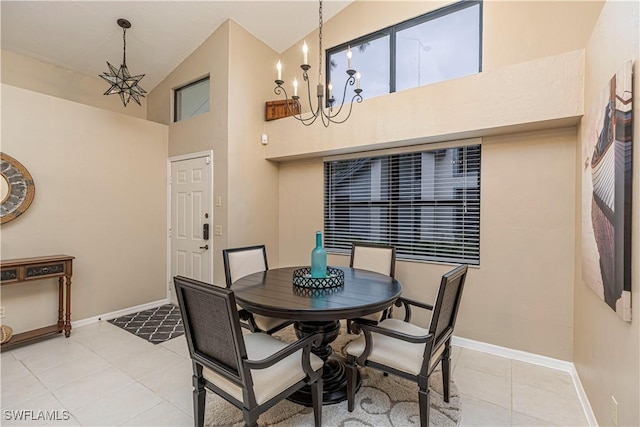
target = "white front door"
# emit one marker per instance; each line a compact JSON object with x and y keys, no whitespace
{"x":191,"y":215}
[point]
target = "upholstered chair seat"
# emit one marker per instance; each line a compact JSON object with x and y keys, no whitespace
{"x":267,"y":383}
{"x":393,"y":352}
{"x":269,"y":324}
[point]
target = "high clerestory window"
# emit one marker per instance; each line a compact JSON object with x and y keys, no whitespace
{"x":191,"y":100}
{"x":426,"y":203}
{"x":440,"y":45}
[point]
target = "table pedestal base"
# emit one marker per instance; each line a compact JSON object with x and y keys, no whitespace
{"x":334,"y":372}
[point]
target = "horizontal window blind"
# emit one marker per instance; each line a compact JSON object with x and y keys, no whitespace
{"x":426,"y":204}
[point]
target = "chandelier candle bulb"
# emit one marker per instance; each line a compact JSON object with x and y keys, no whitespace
{"x":279,"y":67}
{"x":295,"y":87}
{"x":349,"y":58}
{"x":305,"y":52}
{"x":358,"y":75}
{"x":330,"y":88}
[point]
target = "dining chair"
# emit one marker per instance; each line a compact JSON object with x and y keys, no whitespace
{"x":253,"y":371}
{"x":378,"y":258}
{"x":401,"y":348}
{"x":240,"y":262}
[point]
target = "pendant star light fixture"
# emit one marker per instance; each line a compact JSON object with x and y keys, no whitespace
{"x":326,"y":114}
{"x":121,"y":81}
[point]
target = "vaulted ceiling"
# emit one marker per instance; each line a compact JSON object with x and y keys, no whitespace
{"x":82,"y":35}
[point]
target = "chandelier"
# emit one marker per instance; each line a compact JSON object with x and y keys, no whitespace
{"x":122,"y":83}
{"x":327,"y":114}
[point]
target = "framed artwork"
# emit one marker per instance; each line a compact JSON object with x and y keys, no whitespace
{"x":606,"y":194}
{"x":16,"y":188}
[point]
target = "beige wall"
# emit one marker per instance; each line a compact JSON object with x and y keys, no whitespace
{"x":253,"y":182}
{"x":100,"y":182}
{"x":518,"y":30}
{"x":607,"y":349}
{"x":208,"y":131}
{"x":521,"y":295}
{"x":28,"y":73}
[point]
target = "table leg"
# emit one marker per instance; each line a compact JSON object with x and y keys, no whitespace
{"x":67,"y":320}
{"x":60,"y":304}
{"x":334,"y":371}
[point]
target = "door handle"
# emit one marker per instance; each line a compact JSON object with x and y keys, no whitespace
{"x":205,"y":247}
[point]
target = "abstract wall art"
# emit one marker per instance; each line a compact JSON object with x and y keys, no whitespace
{"x":606,"y":194}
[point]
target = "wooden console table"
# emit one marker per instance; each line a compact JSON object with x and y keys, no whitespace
{"x":29,"y":269}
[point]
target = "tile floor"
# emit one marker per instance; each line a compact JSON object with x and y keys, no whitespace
{"x":105,"y":376}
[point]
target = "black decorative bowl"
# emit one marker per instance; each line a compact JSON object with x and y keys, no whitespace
{"x":302,"y":278}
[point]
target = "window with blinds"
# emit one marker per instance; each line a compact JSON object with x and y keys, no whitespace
{"x":425,"y":203}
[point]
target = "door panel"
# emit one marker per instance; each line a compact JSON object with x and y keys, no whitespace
{"x":191,"y":192}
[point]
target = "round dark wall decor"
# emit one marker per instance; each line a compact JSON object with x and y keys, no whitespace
{"x":16,"y":188}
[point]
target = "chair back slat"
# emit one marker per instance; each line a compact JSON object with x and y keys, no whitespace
{"x":240,"y":262}
{"x":445,"y":310}
{"x":375,"y":257}
{"x":212,"y":327}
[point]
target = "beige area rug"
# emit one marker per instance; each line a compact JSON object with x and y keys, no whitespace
{"x":381,"y":401}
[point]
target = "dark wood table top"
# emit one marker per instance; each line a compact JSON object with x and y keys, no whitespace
{"x":272,"y":293}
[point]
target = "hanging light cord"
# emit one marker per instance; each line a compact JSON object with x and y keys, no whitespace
{"x":320,"y":43}
{"x":124,"y":46}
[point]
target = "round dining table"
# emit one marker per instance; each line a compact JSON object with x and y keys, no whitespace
{"x":272,"y":293}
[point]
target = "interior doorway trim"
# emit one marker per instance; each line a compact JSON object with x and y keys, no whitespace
{"x":189,"y":156}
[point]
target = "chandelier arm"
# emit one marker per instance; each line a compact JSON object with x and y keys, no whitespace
{"x":279,"y":90}
{"x":314,"y":115}
{"x":298,"y":108}
{"x":305,"y":77}
{"x":356,"y":98}
{"x":326,"y":120}
{"x":350,"y":81}
{"x":307,"y":121}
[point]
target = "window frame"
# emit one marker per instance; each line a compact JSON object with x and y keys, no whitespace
{"x":188,"y":85}
{"x":394,"y":230}
{"x":393,"y":29}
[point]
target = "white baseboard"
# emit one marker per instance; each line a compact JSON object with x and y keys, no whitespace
{"x":536,"y":359}
{"x":118,"y":313}
{"x":584,"y":400}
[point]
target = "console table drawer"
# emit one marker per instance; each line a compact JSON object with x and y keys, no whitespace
{"x":44,"y":270}
{"x":9,"y":275}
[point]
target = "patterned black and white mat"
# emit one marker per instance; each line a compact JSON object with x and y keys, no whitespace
{"x":155,"y":325}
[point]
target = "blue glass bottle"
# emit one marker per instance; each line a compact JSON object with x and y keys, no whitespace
{"x":318,"y":258}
